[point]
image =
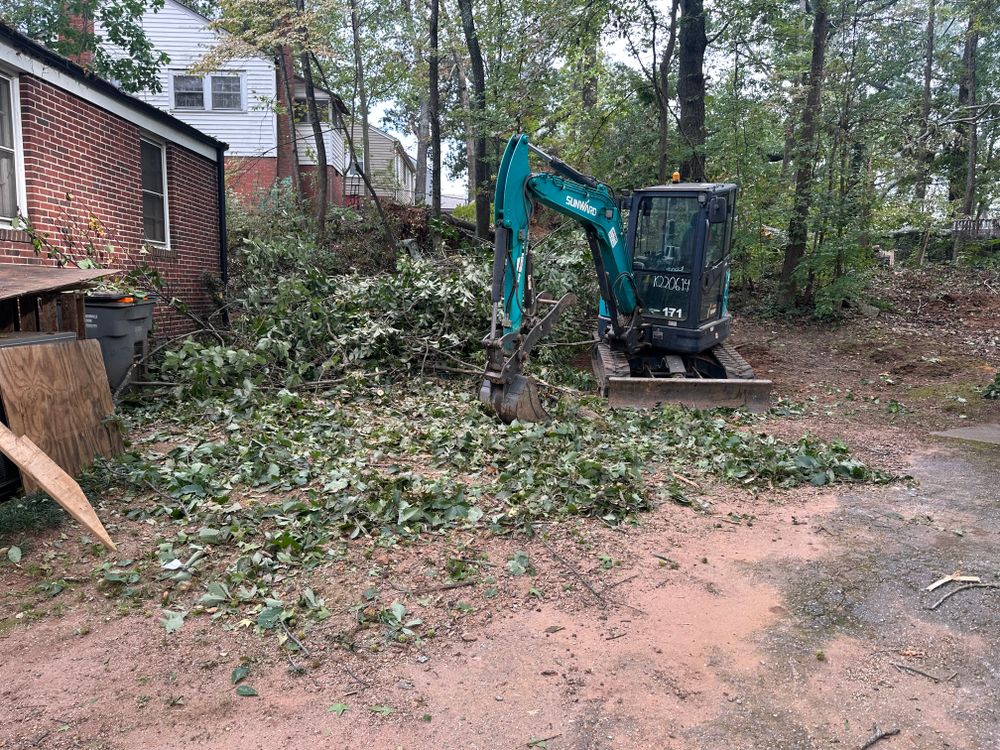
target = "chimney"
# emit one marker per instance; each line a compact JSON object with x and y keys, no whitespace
{"x":76,"y":42}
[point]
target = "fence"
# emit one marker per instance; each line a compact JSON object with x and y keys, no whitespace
{"x":976,"y":229}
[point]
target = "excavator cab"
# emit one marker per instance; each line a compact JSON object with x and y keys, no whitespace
{"x":679,"y":237}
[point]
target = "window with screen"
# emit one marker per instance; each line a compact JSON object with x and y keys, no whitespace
{"x":8,"y":152}
{"x":189,"y":92}
{"x":227,"y":92}
{"x":154,"y":193}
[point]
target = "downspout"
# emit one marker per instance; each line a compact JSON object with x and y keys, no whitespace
{"x":220,"y":181}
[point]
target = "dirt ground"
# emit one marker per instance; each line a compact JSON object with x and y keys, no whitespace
{"x":785,"y":619}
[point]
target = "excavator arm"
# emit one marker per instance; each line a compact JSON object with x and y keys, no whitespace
{"x":520,"y":314}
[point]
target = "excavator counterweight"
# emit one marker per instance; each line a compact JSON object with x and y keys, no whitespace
{"x":663,"y":325}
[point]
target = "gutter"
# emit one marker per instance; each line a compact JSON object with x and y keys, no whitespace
{"x":220,"y":181}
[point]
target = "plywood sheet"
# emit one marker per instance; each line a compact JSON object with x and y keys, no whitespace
{"x":57,"y":395}
{"x":19,"y":279}
{"x":51,"y":478}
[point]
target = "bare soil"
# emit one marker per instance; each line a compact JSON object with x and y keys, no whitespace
{"x":785,"y":619}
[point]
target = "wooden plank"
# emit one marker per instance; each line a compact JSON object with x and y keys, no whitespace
{"x":48,"y":316}
{"x":648,"y":393}
{"x":28,"y":310}
{"x":57,"y":395}
{"x":17,"y":280}
{"x":60,"y":486}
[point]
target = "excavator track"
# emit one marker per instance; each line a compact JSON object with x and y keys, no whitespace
{"x":732,"y":362}
{"x":608,"y":363}
{"x":738,"y":389}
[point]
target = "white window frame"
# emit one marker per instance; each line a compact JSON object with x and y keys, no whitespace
{"x":206,"y":88}
{"x":165,"y":245}
{"x":15,"y":116}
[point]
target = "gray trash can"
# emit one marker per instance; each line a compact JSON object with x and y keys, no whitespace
{"x":122,"y":328}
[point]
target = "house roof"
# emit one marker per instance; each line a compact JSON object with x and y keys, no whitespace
{"x":50,"y":59}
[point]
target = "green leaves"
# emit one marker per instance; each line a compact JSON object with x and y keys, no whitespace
{"x":239,"y":674}
{"x":172,"y":621}
{"x":382,"y":710}
{"x":519,"y":565}
{"x":245,"y":691}
{"x":337,"y":708}
{"x":14,"y":555}
{"x":271,"y":615}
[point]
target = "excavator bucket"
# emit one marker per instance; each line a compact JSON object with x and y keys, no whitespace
{"x":517,"y":399}
{"x":696,"y":393}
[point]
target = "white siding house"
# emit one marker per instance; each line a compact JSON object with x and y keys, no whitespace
{"x":392,"y":171}
{"x":236,"y":104}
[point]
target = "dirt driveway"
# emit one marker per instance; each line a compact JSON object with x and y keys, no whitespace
{"x":794,"y":619}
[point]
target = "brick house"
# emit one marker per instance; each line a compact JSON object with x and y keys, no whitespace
{"x":94,"y":171}
{"x":243,"y":103}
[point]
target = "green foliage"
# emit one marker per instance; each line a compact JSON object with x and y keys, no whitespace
{"x":120,"y":52}
{"x":322,"y":408}
{"x":992,"y":390}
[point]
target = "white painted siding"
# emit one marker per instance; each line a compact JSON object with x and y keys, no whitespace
{"x":390,"y":172}
{"x":333,"y":138}
{"x":186,"y":37}
{"x":332,"y":135}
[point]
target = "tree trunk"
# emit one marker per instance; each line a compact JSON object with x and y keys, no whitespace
{"x":286,"y":122}
{"x":662,"y":90}
{"x":322,"y":199}
{"x":462,"y":83}
{"x":798,"y":225}
{"x":478,"y":108}
{"x":386,"y":226}
{"x":359,"y":79}
{"x":924,"y":152}
{"x":968,"y":86}
{"x":317,"y":130}
{"x":423,"y":142}
{"x":691,"y":88}
{"x":435,"y":111}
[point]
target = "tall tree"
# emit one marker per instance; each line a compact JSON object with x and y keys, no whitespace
{"x":691,"y":88}
{"x":482,"y":168}
{"x":360,"y":85}
{"x":805,"y":158}
{"x":317,"y":122}
{"x":969,"y":114}
{"x":434,"y":100}
{"x":924,"y":153}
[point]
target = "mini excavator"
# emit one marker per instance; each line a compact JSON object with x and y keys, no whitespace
{"x":663,"y":323}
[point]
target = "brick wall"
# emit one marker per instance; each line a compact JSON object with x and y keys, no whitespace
{"x":334,"y":184}
{"x":251,"y":176}
{"x":82,"y":173}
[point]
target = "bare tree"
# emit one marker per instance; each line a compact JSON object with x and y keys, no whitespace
{"x":359,"y":79}
{"x":967,"y":97}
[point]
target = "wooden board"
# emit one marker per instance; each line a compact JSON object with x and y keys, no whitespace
{"x":57,"y":395}
{"x":61,"y":487}
{"x":17,"y":280}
